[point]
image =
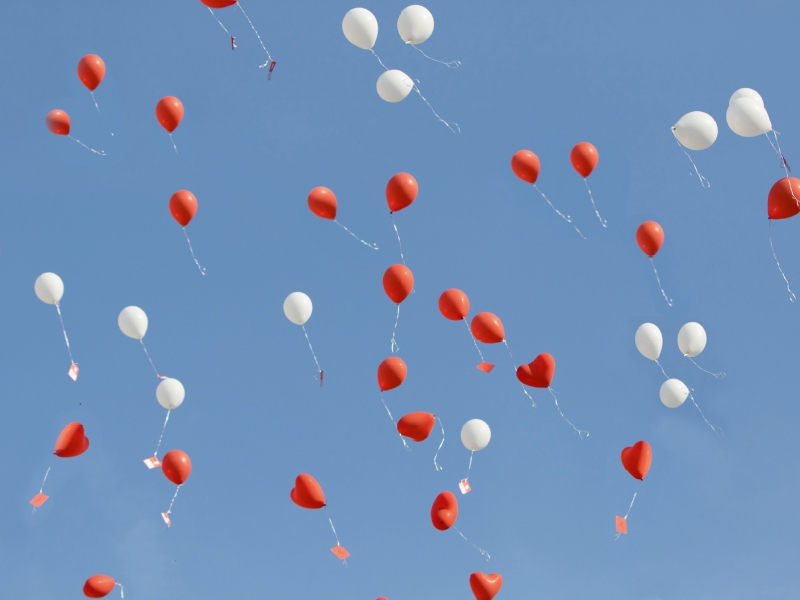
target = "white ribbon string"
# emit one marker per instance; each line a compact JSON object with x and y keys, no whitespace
{"x":474,"y":341}
{"x":453,"y":64}
{"x":469,"y":468}
{"x":141,"y":341}
{"x":260,"y":41}
{"x":155,"y":454}
{"x":515,"y":374}
{"x":435,"y":464}
{"x":567,"y":218}
{"x":703,"y":181}
{"x":379,"y":59}
{"x":658,"y":279}
{"x":63,"y":329}
{"x":603,"y":222}
{"x":95,"y":102}
{"x":173,"y":143}
{"x":100,"y":152}
{"x":213,"y":14}
{"x":704,"y":417}
{"x":583,"y":434}
{"x":403,"y":258}
{"x":402,"y":439}
{"x":319,"y":370}
{"x":169,"y":510}
{"x":41,"y":489}
{"x":395,"y":347}
{"x":792,"y":297}
{"x":662,"y":369}
{"x":616,"y":537}
{"x":449,"y":126}
{"x":373,"y":246}
{"x":481,"y":550}
{"x":717,"y":375}
{"x":188,"y":241}
{"x":784,"y":164}
{"x":121,"y":590}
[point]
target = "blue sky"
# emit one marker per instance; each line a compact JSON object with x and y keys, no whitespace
{"x":716,"y":517}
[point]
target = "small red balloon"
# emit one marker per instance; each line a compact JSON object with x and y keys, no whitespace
{"x":525,"y":165}
{"x":784,"y":199}
{"x":218,"y":3}
{"x":183,"y":206}
{"x":444,"y":511}
{"x":98,"y":586}
{"x":487,"y":328}
{"x":650,"y":237}
{"x":398,"y":281}
{"x":391,"y":373}
{"x":416,"y":425}
{"x":538,"y":373}
{"x":584,"y":158}
{"x":176,"y":466}
{"x":401,"y":191}
{"x":637,"y":459}
{"x":307,"y":493}
{"x":454,"y":304}
{"x":72,"y":441}
{"x":322,"y":202}
{"x":91,"y":70}
{"x":485,"y":587}
{"x":169,"y":112}
{"x":57,"y":122}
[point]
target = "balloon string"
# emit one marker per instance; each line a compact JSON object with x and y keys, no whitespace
{"x":603,"y":222}
{"x":784,"y":164}
{"x":513,"y":362}
{"x":567,"y":218}
{"x":395,"y":424}
{"x":469,"y":468}
{"x":218,"y":21}
{"x":163,"y":429}
{"x":481,"y":550}
{"x":403,"y":258}
{"x":703,"y":181}
{"x":100,"y":152}
{"x":41,"y":489}
{"x":173,"y":143}
{"x":658,"y":279}
{"x":792,"y":297}
{"x":616,"y":537}
{"x":435,"y":464}
{"x":121,"y":591}
{"x":704,"y":417}
{"x":338,"y":543}
{"x":95,"y":102}
{"x":260,"y":41}
{"x":583,"y":434}
{"x":169,"y":510}
{"x":474,"y":341}
{"x":202,"y":270}
{"x":449,"y":126}
{"x":395,"y":347}
{"x":141,"y":341}
{"x":312,"y":354}
{"x":717,"y":375}
{"x":63,"y":329}
{"x":453,"y":64}
{"x":662,"y":369}
{"x":379,"y":59}
{"x":373,"y":246}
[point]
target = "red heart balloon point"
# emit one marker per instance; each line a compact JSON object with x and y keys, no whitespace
{"x":72,"y":441}
{"x":485,"y":587}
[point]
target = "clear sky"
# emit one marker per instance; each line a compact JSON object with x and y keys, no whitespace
{"x":717,"y":516}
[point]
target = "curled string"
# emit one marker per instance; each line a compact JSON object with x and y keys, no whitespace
{"x":449,"y":126}
{"x":95,"y":102}
{"x":792,"y":297}
{"x":213,"y":14}
{"x":435,"y":464}
{"x":312,"y":353}
{"x":662,"y":369}
{"x":616,"y":537}
{"x":155,"y":454}
{"x":338,"y":543}
{"x":717,"y":375}
{"x":481,"y":550}
{"x":703,"y":181}
{"x":704,"y":417}
{"x":395,"y":347}
{"x":373,"y":246}
{"x":269,"y":57}
{"x":513,"y":362}
{"x":202,"y":270}
{"x":658,"y":279}
{"x":379,"y":59}
{"x":779,"y":152}
{"x":173,"y":143}
{"x":567,"y":218}
{"x":583,"y":434}
{"x":474,"y":341}
{"x":66,"y":339}
{"x":405,"y":444}
{"x":121,"y":591}
{"x":603,"y":222}
{"x":100,"y":152}
{"x":453,"y":64}
{"x":141,"y":341}
{"x":403,"y":258}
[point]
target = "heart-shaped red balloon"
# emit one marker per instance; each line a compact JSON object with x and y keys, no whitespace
{"x":485,"y":587}
{"x":72,"y":441}
{"x":780,"y":203}
{"x":444,"y":511}
{"x":539,"y":373}
{"x":416,"y":425}
{"x":637,"y":459}
{"x":307,"y":493}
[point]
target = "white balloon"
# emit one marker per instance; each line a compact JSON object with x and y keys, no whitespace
{"x":170,"y":393}
{"x":394,"y":85}
{"x":747,"y":118}
{"x":133,"y":322}
{"x":746,"y":93}
{"x":415,"y":24}
{"x":696,"y":130}
{"x":49,"y":288}
{"x":673,"y":393}
{"x":360,"y":27}
{"x":649,"y":341}
{"x":692,"y":339}
{"x":475,"y":435}
{"x":297,"y":307}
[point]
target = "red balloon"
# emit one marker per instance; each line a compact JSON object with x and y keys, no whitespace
{"x":398,"y":281}
{"x":584,"y":158}
{"x":401,"y":191}
{"x":637,"y":458}
{"x":485,"y":587}
{"x":183,"y":206}
{"x":322,"y":202}
{"x":487,"y":328}
{"x":169,"y":112}
{"x":57,"y":122}
{"x":780,"y":203}
{"x":176,"y":466}
{"x":218,"y":3}
{"x":454,"y":304}
{"x":650,"y":236}
{"x":91,"y":70}
{"x":444,"y":511}
{"x":539,"y":373}
{"x":72,"y":441}
{"x":416,"y":425}
{"x":391,"y":373}
{"x":98,"y":586}
{"x":525,"y":165}
{"x":307,"y":493}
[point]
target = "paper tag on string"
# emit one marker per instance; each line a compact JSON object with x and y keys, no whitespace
{"x":321,"y":377}
{"x":271,"y":68}
{"x":464,"y":486}
{"x":39,"y":499}
{"x":485,"y":367}
{"x":622,"y":525}
{"x":340,"y":552}
{"x":165,"y":516}
{"x":152,"y":462}
{"x":73,"y":372}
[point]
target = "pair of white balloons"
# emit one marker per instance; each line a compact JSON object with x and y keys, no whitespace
{"x":692,"y":340}
{"x":360,"y":27}
{"x":297,"y":307}
{"x":475,"y":435}
{"x":49,"y":288}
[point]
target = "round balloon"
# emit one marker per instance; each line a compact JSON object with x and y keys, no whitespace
{"x":650,"y":237}
{"x":183,"y":206}
{"x":696,"y":130}
{"x":649,"y":341}
{"x":637,"y":459}
{"x":307,"y":493}
{"x":297,"y":307}
{"x":98,"y":586}
{"x":57,"y":122}
{"x":415,"y":24}
{"x":584,"y":158}
{"x":487,"y":328}
{"x":91,"y":70}
{"x":360,"y":27}
{"x":747,"y":117}
{"x":784,"y":198}
{"x":391,"y":373}
{"x":525,"y":165}
{"x":49,"y":288}
{"x":394,"y":85}
{"x":746,"y":93}
{"x":169,"y":112}
{"x":475,"y":435}
{"x":673,"y":393}
{"x":401,"y":191}
{"x":176,"y":466}
{"x":170,"y":393}
{"x":454,"y":305}
{"x":692,"y":339}
{"x":398,"y":281}
{"x":322,"y":202}
{"x":133,"y":322}
{"x":72,"y":441}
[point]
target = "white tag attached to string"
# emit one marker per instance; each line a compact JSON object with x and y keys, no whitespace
{"x":152,"y":462}
{"x":464,"y":486}
{"x":73,"y":372}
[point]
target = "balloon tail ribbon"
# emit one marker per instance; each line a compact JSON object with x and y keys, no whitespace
{"x":403,"y":258}
{"x":100,"y":152}
{"x":513,"y":362}
{"x":603,"y":222}
{"x":453,"y":64}
{"x":474,"y":341}
{"x":319,"y":370}
{"x":388,"y":412}
{"x":163,"y":429}
{"x":703,"y":181}
{"x":379,"y":59}
{"x":64,"y":330}
{"x":567,"y":218}
{"x":260,"y":41}
{"x":41,"y":489}
{"x":169,"y":510}
{"x":662,"y":369}
{"x":469,"y":468}
{"x":435,"y":464}
{"x":717,"y":375}
{"x":395,"y":347}
{"x":792,"y":297}
{"x":174,"y":147}
{"x":449,"y":126}
{"x":583,"y":434}
{"x":658,"y":279}
{"x":625,"y":518}
{"x":481,"y":550}
{"x":121,"y":590}
{"x":188,"y":241}
{"x":338,"y":543}
{"x":704,"y":417}
{"x":373,"y":246}
{"x":95,"y":102}
{"x":213,"y":14}
{"x":785,"y":165}
{"x":147,"y":354}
